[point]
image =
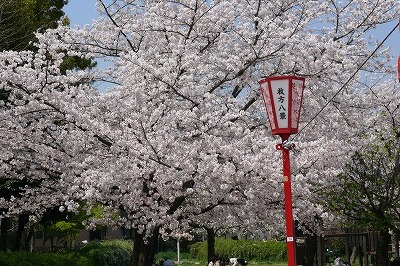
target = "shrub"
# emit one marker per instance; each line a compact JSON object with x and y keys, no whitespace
{"x":108,"y":253}
{"x":104,"y":253}
{"x":172,"y":255}
{"x":22,"y":258}
{"x":249,"y":249}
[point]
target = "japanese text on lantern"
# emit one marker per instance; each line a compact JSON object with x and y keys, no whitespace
{"x":281,"y":100}
{"x":280,"y":92}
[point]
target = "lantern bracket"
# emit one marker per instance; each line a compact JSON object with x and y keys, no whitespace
{"x":287,"y":145}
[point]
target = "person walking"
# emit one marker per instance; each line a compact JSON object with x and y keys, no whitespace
{"x":168,"y":262}
{"x":214,"y":261}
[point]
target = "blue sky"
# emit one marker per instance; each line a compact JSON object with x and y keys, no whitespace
{"x":83,"y":12}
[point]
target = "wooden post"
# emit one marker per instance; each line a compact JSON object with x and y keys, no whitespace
{"x":365,"y":249}
{"x":321,"y":251}
{"x":396,"y":249}
{"x":347,"y":247}
{"x":360,"y":256}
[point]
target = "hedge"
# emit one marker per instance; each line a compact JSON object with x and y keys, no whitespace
{"x":249,"y":249}
{"x":116,"y":253}
{"x":107,"y":253}
{"x":104,"y":253}
{"x":23,"y":258}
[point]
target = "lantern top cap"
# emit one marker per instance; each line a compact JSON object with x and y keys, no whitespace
{"x":280,"y":78}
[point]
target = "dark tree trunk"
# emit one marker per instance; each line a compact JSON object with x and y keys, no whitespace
{"x":23,"y":219}
{"x":382,"y":258}
{"x":311,"y":250}
{"x":5,"y":226}
{"x":210,"y":243}
{"x":144,"y":251}
{"x":28,"y":238}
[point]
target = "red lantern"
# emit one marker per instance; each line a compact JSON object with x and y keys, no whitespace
{"x":282,"y":98}
{"x":398,"y":68}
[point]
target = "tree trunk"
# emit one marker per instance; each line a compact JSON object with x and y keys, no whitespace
{"x":28,"y":239}
{"x":5,"y":226}
{"x":360,"y":256}
{"x":382,"y":258}
{"x":210,"y":243}
{"x":23,"y":219}
{"x":353,"y":255}
{"x":144,"y":251}
{"x":311,"y":250}
{"x":396,"y":244}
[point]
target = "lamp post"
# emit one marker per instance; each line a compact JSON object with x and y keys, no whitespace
{"x":282,"y":98}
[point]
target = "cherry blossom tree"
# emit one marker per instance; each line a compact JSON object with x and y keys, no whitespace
{"x":369,"y":179}
{"x":189,"y":68}
{"x":181,"y":133}
{"x":19,"y":21}
{"x":36,"y":131}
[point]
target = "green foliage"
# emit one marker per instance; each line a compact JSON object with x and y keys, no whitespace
{"x":75,"y":62}
{"x":248,"y":249}
{"x":108,"y":253}
{"x":165,"y":254}
{"x":118,"y":252}
{"x":64,"y":225}
{"x":23,"y":258}
{"x":367,"y":192}
{"x":172,"y":255}
{"x":104,"y":253}
{"x":63,"y":229}
{"x":22,"y":18}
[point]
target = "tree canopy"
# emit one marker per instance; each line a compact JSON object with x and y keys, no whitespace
{"x":19,"y":20}
{"x":367,"y":191}
{"x":181,"y":133}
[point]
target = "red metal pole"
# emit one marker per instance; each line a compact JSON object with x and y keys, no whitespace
{"x":290,"y":237}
